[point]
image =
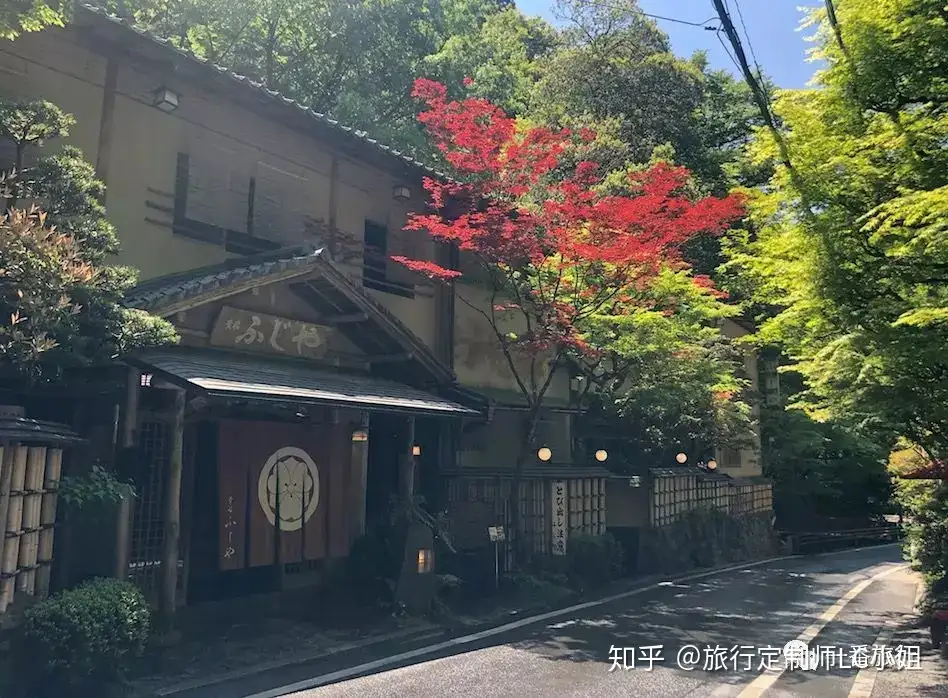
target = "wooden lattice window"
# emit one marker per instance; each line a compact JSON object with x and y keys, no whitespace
{"x":148,"y":520}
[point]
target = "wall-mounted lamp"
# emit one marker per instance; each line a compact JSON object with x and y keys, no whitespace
{"x":165,"y":99}
{"x":425,"y":563}
{"x":416,"y":450}
{"x":601,"y":455}
{"x":401,"y":193}
{"x":544,"y":454}
{"x":681,"y":458}
{"x":712,"y":465}
{"x":360,"y":435}
{"x":576,"y":383}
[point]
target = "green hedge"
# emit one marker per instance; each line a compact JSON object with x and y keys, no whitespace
{"x":925,"y":506}
{"x":81,"y":639}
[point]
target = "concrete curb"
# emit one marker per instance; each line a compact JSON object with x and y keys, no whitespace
{"x":223,"y":677}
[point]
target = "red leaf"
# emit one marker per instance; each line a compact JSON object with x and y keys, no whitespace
{"x":429,"y":269}
{"x":612,"y":246}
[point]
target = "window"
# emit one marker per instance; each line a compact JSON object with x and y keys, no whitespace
{"x":213,"y":201}
{"x":375,"y":256}
{"x":731,"y":457}
{"x":375,"y":263}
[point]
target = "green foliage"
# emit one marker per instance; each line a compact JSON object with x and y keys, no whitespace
{"x":615,"y":64}
{"x":20,"y":16}
{"x":81,"y":639}
{"x":850,"y":250}
{"x":670,"y":379}
{"x":372,"y":567}
{"x":924,"y":504}
{"x":593,"y":560}
{"x":822,"y":469}
{"x":96,"y":487}
{"x":60,"y":300}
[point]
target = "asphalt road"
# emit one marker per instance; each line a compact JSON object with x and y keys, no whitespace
{"x":720,"y":636}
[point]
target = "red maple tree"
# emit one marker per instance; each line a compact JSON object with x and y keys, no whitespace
{"x":554,"y":250}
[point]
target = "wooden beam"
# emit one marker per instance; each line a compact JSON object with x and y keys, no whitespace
{"x":170,"y":541}
{"x":389,"y":358}
{"x":104,"y":148}
{"x":350,"y":318}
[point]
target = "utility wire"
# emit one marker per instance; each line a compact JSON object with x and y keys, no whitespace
{"x":701,"y":25}
{"x":727,"y":50}
{"x":759,"y":93}
{"x":750,"y":46}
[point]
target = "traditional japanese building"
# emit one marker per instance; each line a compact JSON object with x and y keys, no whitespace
{"x":315,"y":378}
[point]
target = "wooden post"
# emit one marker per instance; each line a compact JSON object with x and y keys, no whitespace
{"x":407,"y":467}
{"x":169,"y":552}
{"x":54,"y":461}
{"x":132,"y":390}
{"x":359,"y":461}
{"x":13,"y":524}
{"x":32,"y":503}
{"x":125,"y":511}
{"x":108,"y":117}
{"x":10,"y":449}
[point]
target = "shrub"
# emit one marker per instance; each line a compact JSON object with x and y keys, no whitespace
{"x":593,"y":560}
{"x":83,"y":637}
{"x":371,"y":568}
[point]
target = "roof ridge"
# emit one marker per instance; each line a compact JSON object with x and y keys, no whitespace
{"x":363,"y":137}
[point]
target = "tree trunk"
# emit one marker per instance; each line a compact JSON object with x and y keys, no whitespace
{"x":522,"y":550}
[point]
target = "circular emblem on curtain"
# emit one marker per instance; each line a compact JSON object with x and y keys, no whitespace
{"x":291,"y":473}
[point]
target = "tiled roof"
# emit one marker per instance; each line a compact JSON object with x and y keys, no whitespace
{"x":554,"y":471}
{"x":165,"y":290}
{"x":673,"y":472}
{"x":26,"y":430}
{"x":238,"y":376}
{"x":355,"y":135}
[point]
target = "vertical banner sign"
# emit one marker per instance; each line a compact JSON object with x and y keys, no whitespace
{"x":558,"y":545}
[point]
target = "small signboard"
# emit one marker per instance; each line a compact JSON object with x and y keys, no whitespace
{"x":558,"y":545}
{"x":243,"y":329}
{"x":635,"y":481}
{"x":496,"y":533}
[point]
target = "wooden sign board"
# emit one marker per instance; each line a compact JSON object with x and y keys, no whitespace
{"x":269,"y":334}
{"x":559,"y":531}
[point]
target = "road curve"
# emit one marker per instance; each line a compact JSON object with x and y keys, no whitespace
{"x":719,"y":636}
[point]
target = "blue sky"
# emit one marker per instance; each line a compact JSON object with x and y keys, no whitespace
{"x":771,"y":24}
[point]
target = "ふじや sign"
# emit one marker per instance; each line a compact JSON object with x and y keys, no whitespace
{"x":248,"y":330}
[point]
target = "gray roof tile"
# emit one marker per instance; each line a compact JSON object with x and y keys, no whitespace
{"x":164,"y":290}
{"x":220,"y":373}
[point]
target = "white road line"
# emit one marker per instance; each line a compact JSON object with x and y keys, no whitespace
{"x":865,"y":680}
{"x":350,"y":672}
{"x":757,"y":687}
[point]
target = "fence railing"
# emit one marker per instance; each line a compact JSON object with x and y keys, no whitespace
{"x":821,"y":541}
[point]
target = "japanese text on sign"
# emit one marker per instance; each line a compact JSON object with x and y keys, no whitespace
{"x":229,"y":524}
{"x":558,"y":543}
{"x":248,"y":330}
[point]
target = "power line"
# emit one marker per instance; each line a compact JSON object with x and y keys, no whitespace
{"x":701,"y":25}
{"x":750,"y":45}
{"x":727,"y":50}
